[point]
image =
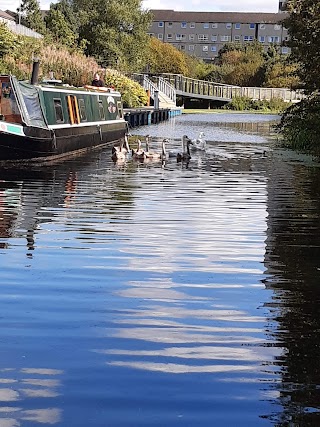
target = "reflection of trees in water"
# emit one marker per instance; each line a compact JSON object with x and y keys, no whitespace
{"x":261,"y":128}
{"x":24,"y":394}
{"x":293,"y":265}
{"x":30,"y":197}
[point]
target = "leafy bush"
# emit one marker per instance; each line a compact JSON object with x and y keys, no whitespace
{"x":243,"y":103}
{"x":300,"y":125}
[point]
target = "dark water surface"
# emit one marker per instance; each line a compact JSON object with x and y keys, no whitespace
{"x":176,"y":295}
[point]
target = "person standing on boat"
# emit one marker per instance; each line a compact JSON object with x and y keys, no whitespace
{"x":97,"y":81}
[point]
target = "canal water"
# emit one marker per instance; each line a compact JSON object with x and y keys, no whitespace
{"x":142,"y":294}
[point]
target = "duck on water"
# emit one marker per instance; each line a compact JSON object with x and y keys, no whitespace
{"x":49,"y":120}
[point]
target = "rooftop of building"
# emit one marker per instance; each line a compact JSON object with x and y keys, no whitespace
{"x":232,"y":17}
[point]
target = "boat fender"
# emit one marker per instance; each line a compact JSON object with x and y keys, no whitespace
{"x":100,"y":132}
{"x":54,"y":139}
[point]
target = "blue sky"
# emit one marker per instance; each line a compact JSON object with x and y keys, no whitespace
{"x":192,"y":5}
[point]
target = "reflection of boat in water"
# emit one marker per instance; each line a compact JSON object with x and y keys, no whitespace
{"x":23,"y":194}
{"x":50,"y":120}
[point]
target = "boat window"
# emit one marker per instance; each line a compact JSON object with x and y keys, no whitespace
{"x":101,"y":110}
{"x":58,"y":110}
{"x":82,"y":110}
{"x":120,"y":111}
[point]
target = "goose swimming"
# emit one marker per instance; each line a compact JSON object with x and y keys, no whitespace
{"x":119,"y":153}
{"x":138,"y":154}
{"x":199,"y":143}
{"x":185,"y":156}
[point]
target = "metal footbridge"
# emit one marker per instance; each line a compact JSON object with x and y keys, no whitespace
{"x":168,"y":86}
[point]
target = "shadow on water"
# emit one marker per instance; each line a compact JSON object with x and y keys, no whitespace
{"x":163,"y":295}
{"x":293,"y":273}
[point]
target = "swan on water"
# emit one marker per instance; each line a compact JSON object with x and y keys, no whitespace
{"x":199,"y":143}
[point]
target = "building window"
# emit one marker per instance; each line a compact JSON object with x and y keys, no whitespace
{"x":284,"y":50}
{"x":213,"y":48}
{"x":205,"y":25}
{"x":247,"y":38}
{"x":214,"y":38}
{"x":169,"y":36}
{"x":182,"y":47}
{"x":180,"y":37}
{"x":160,"y":36}
{"x":228,"y":25}
{"x":169,"y":24}
{"x":273,"y":39}
{"x":192,"y":25}
{"x":252,"y":26}
{"x":191,"y":47}
{"x":277,"y":27}
{"x":237,"y":26}
{"x":204,"y":48}
{"x":160,"y":24}
{"x":214,"y":25}
{"x":203,"y":37}
{"x":236,"y":38}
{"x":262,"y":26}
{"x":191,"y":37}
{"x":58,"y":110}
{"x":262,"y":39}
{"x":225,"y":38}
{"x":183,"y":25}
{"x":150,"y":34}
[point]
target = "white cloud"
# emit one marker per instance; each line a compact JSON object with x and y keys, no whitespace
{"x":182,"y":5}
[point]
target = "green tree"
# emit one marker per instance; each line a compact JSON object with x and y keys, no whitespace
{"x":303,"y":24}
{"x":165,"y":58}
{"x":32,"y":16}
{"x":7,"y":39}
{"x":300,"y":124}
{"x":116,"y":31}
{"x":61,"y":22}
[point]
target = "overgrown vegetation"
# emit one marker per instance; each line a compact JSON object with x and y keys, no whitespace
{"x":69,"y":65}
{"x":300,"y":124}
{"x":274,"y":105}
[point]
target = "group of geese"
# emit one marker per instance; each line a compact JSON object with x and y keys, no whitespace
{"x":123,"y":152}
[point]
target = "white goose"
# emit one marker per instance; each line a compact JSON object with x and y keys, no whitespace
{"x":199,"y":144}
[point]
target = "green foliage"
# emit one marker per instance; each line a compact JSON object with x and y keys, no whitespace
{"x":300,"y":125}
{"x":116,"y":31}
{"x":61,"y":23}
{"x":303,"y":23}
{"x":69,"y":65}
{"x":7,"y":39}
{"x":165,"y":58}
{"x":243,"y":103}
{"x":133,"y":95}
{"x":249,"y":65}
{"x":32,"y":16}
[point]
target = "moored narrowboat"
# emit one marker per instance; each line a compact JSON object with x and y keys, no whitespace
{"x":50,"y":120}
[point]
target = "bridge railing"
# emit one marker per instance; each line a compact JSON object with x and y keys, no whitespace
{"x":227,"y":92}
{"x":167,"y":88}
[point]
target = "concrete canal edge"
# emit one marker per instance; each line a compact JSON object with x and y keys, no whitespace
{"x":148,"y":115}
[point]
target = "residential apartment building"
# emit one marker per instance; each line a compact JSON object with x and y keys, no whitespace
{"x":203,"y":34}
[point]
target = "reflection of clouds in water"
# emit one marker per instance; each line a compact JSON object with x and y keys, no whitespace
{"x":30,"y":388}
{"x":174,"y":368}
{"x":200,"y":352}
